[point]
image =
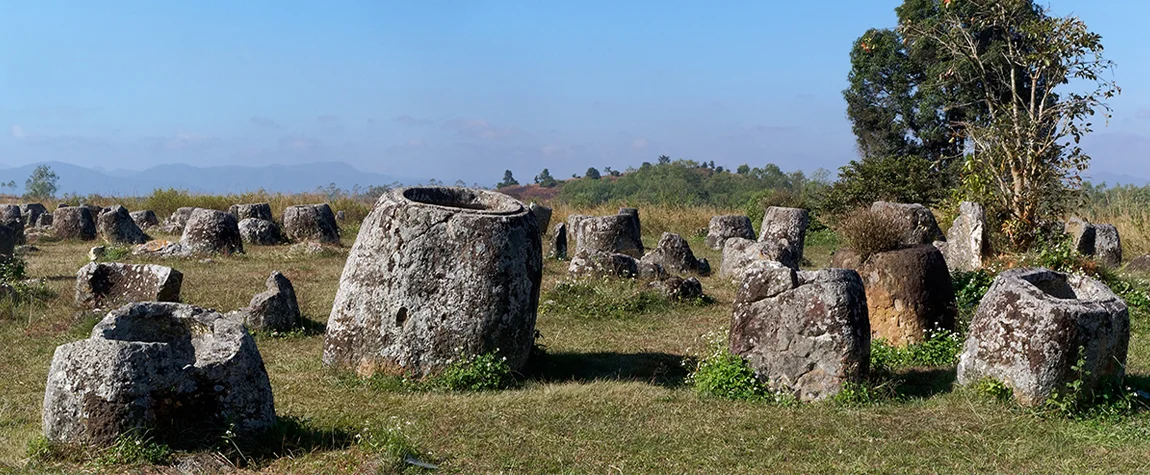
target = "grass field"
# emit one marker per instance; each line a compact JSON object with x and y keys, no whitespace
{"x":609,"y":397}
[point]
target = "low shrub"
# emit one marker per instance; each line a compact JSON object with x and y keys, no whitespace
{"x":476,"y":373}
{"x":719,"y":373}
{"x":941,"y":348}
{"x":969,"y":288}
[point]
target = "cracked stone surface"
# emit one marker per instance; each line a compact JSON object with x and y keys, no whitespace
{"x":919,"y":222}
{"x":610,"y":234}
{"x":311,"y":223}
{"x":739,"y":254}
{"x":182,"y":373}
{"x":11,"y":216}
{"x":803,"y":333}
{"x":210,"y":231}
{"x":274,"y":309}
{"x":260,"y":232}
{"x":729,"y":226}
{"x":673,"y":253}
{"x":175,"y":223}
{"x":74,"y":222}
{"x":437,"y":273}
{"x":116,"y":226}
{"x":1082,"y":233}
{"x":786,"y":228}
{"x":32,"y":212}
{"x":251,"y":210}
{"x":1107,"y":245}
{"x":542,"y":215}
{"x":111,"y":284}
{"x":678,"y":288}
{"x":145,"y":219}
{"x":1030,"y":327}
{"x":967,"y":241}
{"x":558,"y":242}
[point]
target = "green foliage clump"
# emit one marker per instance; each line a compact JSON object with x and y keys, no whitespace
{"x":720,"y":373}
{"x":42,"y":184}
{"x":899,"y":179}
{"x":602,"y":299}
{"x":969,"y":288}
{"x":115,"y":253}
{"x":508,"y":180}
{"x":993,"y":389}
{"x":477,"y":373}
{"x":690,"y":183}
{"x":1077,"y":401}
{"x":856,"y":394}
{"x":134,"y":448}
{"x":939,"y":349}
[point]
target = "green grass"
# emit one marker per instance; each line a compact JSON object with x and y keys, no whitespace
{"x":611,"y":395}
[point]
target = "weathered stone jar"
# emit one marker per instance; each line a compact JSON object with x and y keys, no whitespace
{"x":1034,"y":325}
{"x":437,"y":273}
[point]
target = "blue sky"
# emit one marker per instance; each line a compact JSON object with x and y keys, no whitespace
{"x":466,"y":89}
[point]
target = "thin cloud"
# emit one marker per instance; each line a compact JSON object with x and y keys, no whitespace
{"x":639,"y":144}
{"x":412,"y":121}
{"x":265,"y":123}
{"x":331,"y":123}
{"x":479,"y":129}
{"x":18,"y":132}
{"x":1143,"y":114}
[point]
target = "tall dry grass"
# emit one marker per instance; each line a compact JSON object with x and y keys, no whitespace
{"x":165,"y":202}
{"x":1127,"y":208}
{"x":656,"y":220}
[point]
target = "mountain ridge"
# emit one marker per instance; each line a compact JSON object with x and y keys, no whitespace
{"x":213,"y":179}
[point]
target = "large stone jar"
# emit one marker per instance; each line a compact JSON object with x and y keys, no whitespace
{"x":436,"y":274}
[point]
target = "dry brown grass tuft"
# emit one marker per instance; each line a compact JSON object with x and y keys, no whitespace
{"x":867,"y":232}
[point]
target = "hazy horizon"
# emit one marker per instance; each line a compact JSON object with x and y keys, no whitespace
{"x":464,"y":91}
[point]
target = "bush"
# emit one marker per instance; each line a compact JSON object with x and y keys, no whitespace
{"x":477,"y":373}
{"x":720,"y":373}
{"x":941,"y":348}
{"x":969,"y":288}
{"x":900,"y":179}
{"x":867,"y":232}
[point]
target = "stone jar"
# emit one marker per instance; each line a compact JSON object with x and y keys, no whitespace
{"x":437,"y":274}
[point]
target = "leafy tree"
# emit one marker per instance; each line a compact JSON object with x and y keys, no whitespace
{"x":592,"y":173}
{"x":907,"y":179}
{"x":743,"y":169}
{"x":1040,"y":80}
{"x":42,"y":184}
{"x":508,"y":180}
{"x":545,"y":179}
{"x":663,"y":160}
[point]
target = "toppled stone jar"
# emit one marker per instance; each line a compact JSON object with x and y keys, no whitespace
{"x":1035,"y":325}
{"x":185,"y":374}
{"x":435,"y":274}
{"x":110,"y":284}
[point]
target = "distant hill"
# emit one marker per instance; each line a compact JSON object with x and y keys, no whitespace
{"x":1112,"y":179}
{"x":216,"y":180}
